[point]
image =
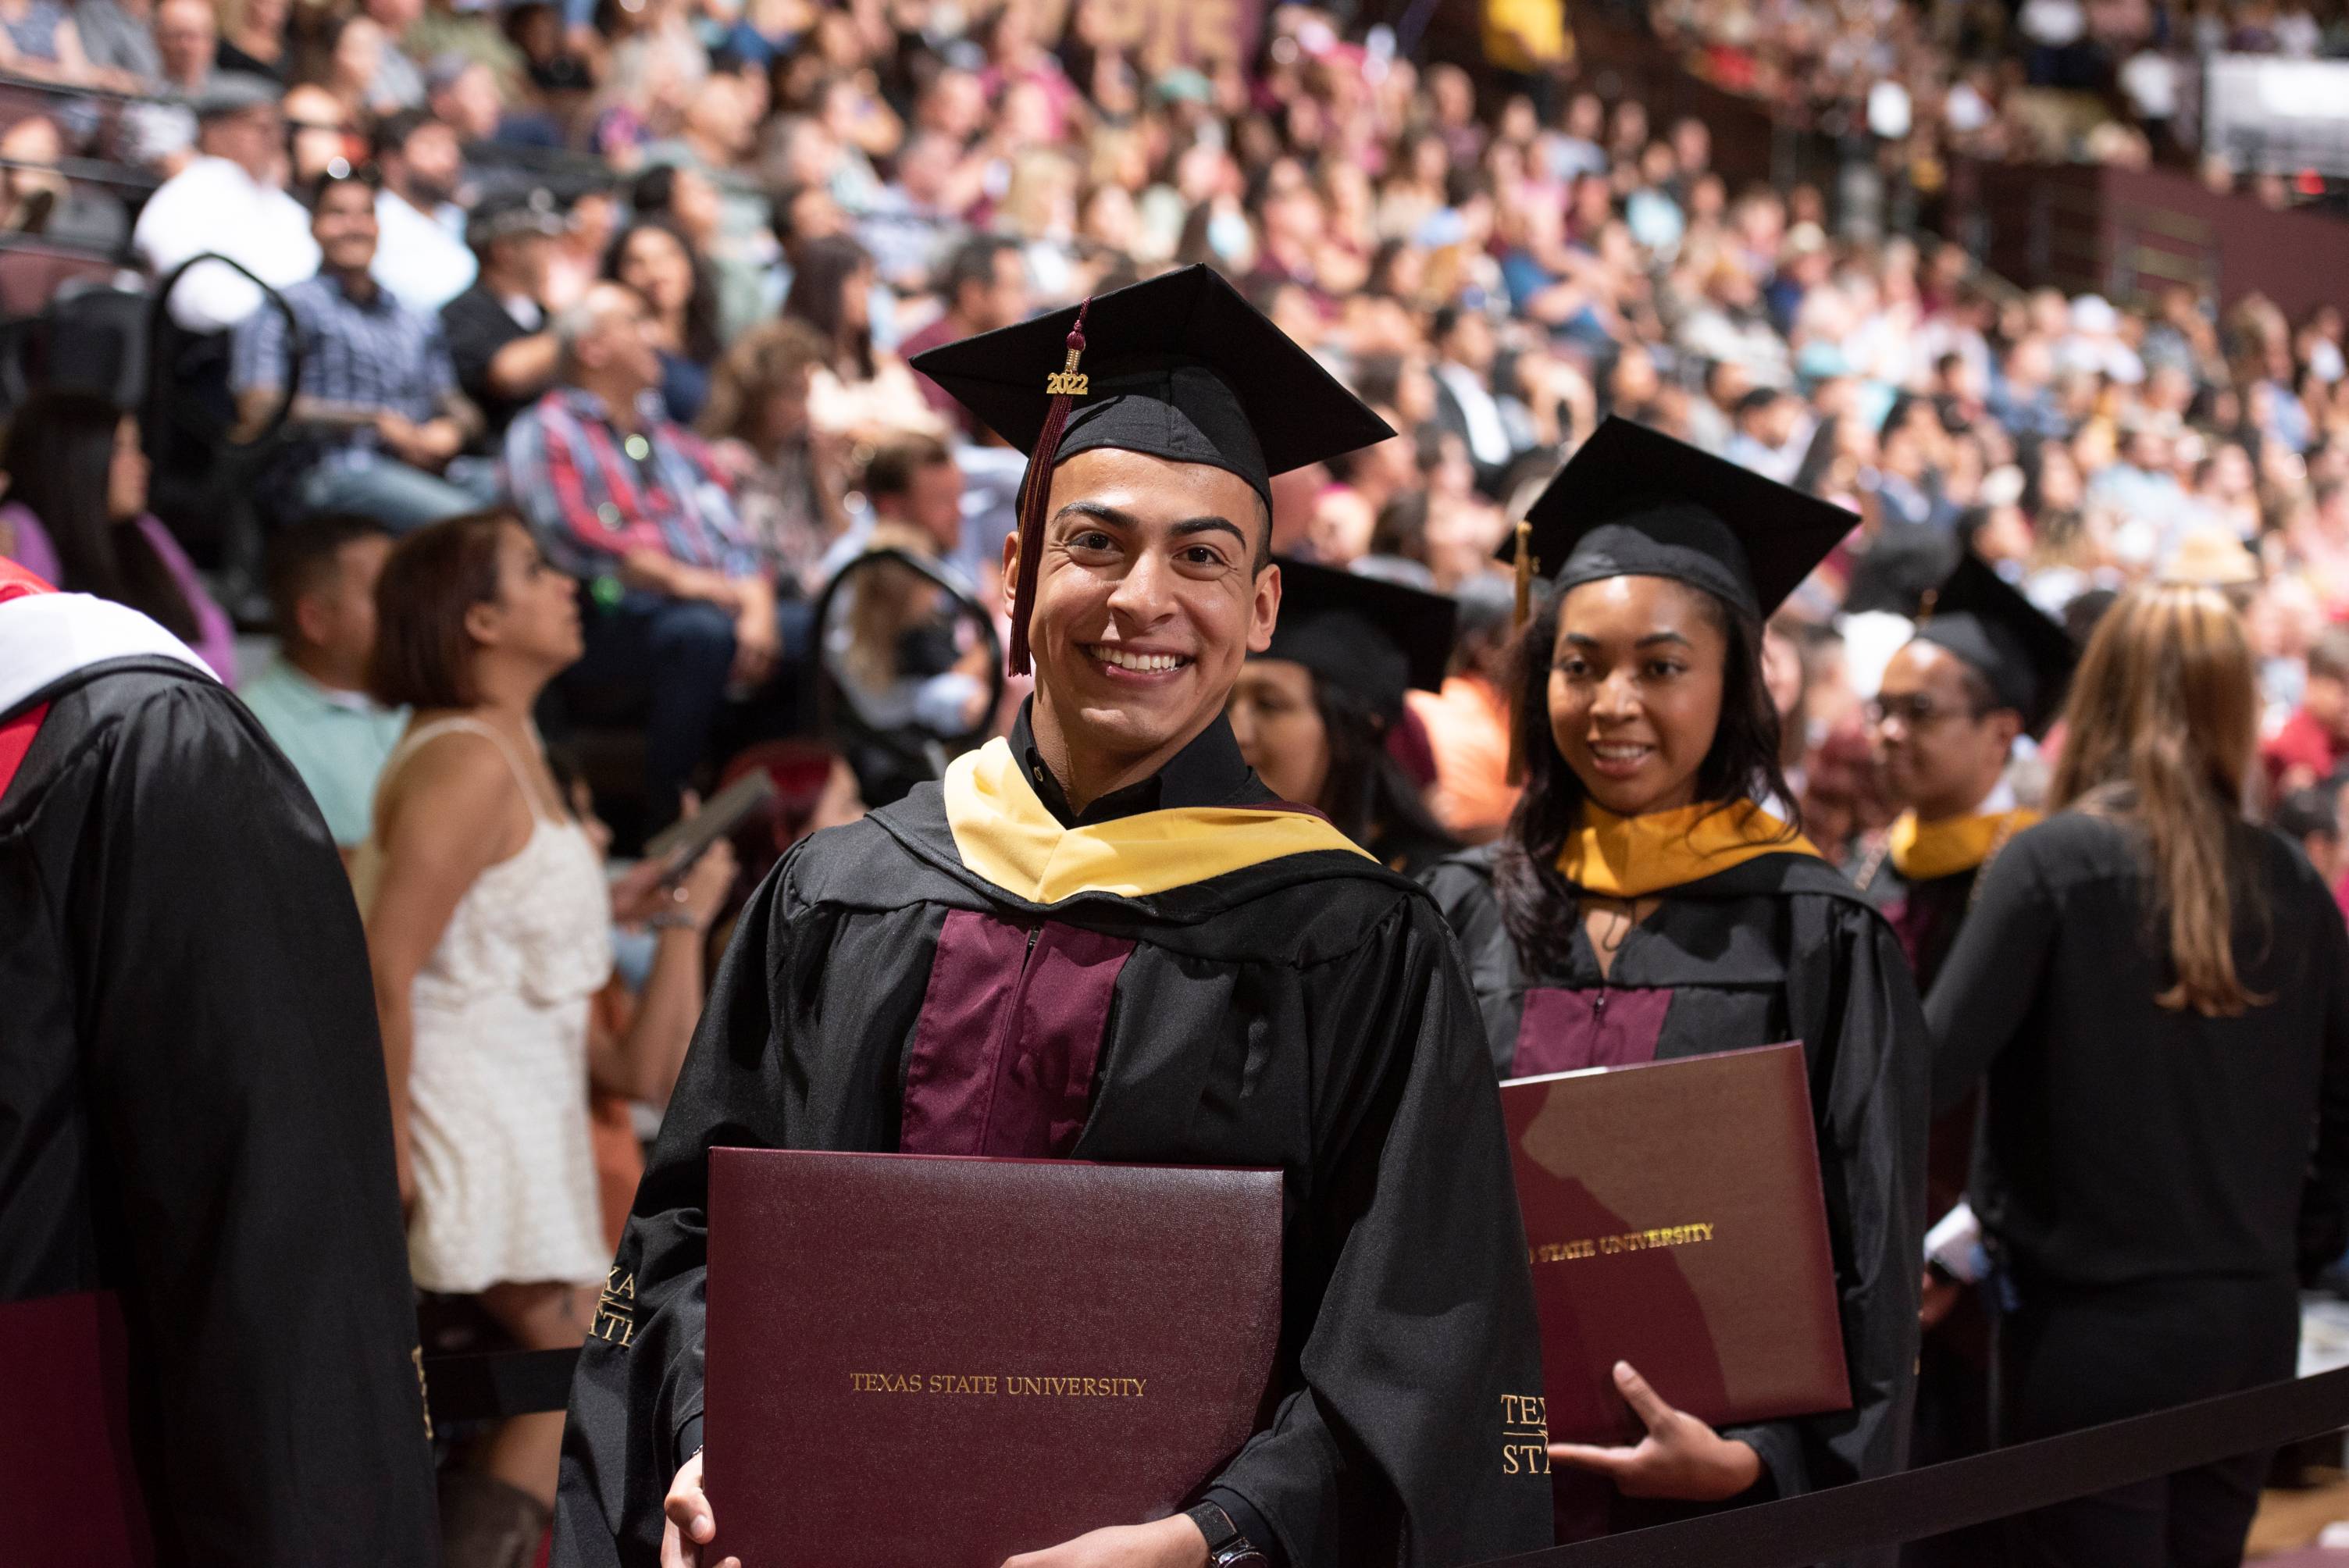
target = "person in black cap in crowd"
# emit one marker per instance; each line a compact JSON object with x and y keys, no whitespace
{"x":1985,"y":668}
{"x":1179,"y":915}
{"x":1312,"y":712}
{"x":2152,"y":996}
{"x":500,"y":333}
{"x":1651,"y":898}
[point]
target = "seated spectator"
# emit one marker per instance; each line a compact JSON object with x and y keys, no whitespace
{"x":418,"y":255}
{"x":118,"y":39}
{"x":1772,"y":435}
{"x":161,"y":132}
{"x":629,"y":502}
{"x":500,"y":338}
{"x":2314,"y":741}
{"x":76,"y":517}
{"x":789,"y":479}
{"x":38,"y":39}
{"x":229,"y":200}
{"x":653,"y":257}
{"x":398,"y":82}
{"x":916,"y":492}
{"x":36,"y":198}
{"x":1464,"y":402}
{"x":376,"y":414}
{"x":861,"y":391}
{"x":320,"y":136}
{"x":312,"y":696}
{"x":488,"y":927}
{"x":253,"y":38}
{"x":985,"y":286}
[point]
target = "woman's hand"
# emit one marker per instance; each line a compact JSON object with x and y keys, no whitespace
{"x":702,"y":891}
{"x":1172,"y":1542}
{"x":690,"y":1523}
{"x":1680,"y":1457}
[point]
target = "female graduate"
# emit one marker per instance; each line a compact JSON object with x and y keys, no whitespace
{"x":1312,"y":712}
{"x":1648,"y":901}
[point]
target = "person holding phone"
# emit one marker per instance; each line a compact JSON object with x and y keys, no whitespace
{"x":489,"y":931}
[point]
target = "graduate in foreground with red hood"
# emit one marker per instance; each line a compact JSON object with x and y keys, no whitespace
{"x":1218,"y":979}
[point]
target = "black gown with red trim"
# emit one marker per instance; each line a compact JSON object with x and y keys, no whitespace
{"x":1779,"y":948}
{"x":197,"y":1203}
{"x":1307,"y":1013}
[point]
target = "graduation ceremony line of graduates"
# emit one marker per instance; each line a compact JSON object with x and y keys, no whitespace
{"x":2080,"y":1085}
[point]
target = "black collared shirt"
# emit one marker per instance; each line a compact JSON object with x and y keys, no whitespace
{"x":1209,"y":771}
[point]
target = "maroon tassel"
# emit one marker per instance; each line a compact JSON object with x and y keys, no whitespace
{"x":1034,"y":487}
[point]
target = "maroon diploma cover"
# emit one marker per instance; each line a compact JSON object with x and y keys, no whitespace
{"x":1674,"y":1218}
{"x":946,"y":1361}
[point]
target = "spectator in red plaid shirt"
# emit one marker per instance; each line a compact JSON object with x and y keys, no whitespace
{"x":681,"y":610}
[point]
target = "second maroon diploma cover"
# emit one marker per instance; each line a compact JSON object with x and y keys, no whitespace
{"x":914,"y":1359}
{"x":1675,"y":1221}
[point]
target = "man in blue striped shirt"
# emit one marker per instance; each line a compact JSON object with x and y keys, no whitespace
{"x":376,"y":414}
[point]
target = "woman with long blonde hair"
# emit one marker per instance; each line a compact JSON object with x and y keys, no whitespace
{"x":2154,"y":996}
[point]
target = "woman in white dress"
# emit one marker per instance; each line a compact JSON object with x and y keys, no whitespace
{"x":489,"y":930}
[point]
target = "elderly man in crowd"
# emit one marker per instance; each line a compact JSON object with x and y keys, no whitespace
{"x":679,"y":607}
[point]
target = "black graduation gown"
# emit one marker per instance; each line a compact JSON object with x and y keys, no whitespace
{"x":193,"y":1116}
{"x":1953,"y":1416}
{"x":1306,"y":1012}
{"x":1779,"y":948}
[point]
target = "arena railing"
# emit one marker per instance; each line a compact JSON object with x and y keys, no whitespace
{"x":1818,"y":1527}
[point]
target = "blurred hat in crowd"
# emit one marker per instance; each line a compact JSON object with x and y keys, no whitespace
{"x":233,"y":92}
{"x":1634,"y":502}
{"x":505,"y":216}
{"x":2211,"y":557}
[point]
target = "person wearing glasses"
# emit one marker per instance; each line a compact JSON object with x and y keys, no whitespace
{"x":1984,"y":670}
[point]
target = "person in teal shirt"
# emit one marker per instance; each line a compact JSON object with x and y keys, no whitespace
{"x":311,"y":697}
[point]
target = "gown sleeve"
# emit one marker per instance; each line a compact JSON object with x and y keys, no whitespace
{"x":237,"y":1089}
{"x":636,"y":1400}
{"x":1424,"y":1347}
{"x":1991,"y":979}
{"x":1853,"y":1001}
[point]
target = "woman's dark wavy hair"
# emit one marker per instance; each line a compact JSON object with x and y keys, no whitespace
{"x":60,"y":456}
{"x":1365,"y":794}
{"x":1537,"y":905}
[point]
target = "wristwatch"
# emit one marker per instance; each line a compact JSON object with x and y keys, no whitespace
{"x":1227,"y":1547}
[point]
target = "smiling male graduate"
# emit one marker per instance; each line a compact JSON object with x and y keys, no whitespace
{"x":1105,"y":939}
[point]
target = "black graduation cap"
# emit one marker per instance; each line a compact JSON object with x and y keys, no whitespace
{"x":2026,"y":658}
{"x":1178,"y":366}
{"x":1635,"y":502}
{"x":1375,"y":638}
